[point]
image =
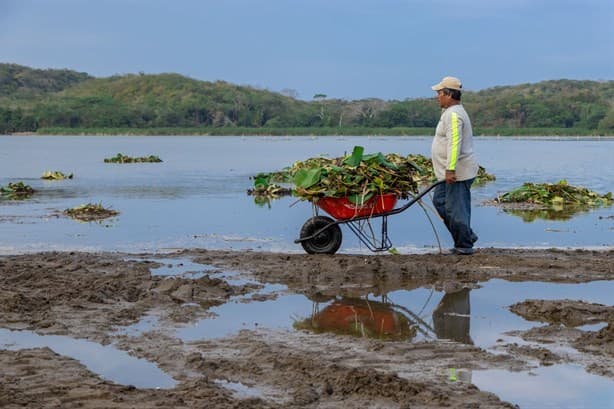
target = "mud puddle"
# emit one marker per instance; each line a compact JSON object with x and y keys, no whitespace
{"x":106,"y":361}
{"x":559,"y":386}
{"x":478,"y":316}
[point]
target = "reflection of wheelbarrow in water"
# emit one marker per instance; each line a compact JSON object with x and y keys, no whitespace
{"x":361,"y":318}
{"x":368,"y":318}
{"x":322,"y":234}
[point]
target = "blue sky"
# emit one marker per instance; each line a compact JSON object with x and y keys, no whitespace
{"x":351,"y":49}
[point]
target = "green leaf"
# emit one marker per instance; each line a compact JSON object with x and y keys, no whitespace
{"x":356,"y":157}
{"x":380,"y":159}
{"x":305,"y":178}
{"x":360,"y":199}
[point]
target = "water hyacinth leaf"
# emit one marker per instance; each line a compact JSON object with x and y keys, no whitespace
{"x":356,"y":157}
{"x":360,"y":199}
{"x":415,"y":166}
{"x":380,"y":159}
{"x":262,"y":180}
{"x":305,"y":178}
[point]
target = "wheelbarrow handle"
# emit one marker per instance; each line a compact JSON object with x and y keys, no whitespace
{"x":415,"y":199}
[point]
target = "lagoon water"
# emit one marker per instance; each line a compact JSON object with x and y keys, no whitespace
{"x":197,"y":196}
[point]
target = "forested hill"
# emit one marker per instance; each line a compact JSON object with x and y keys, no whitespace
{"x":38,"y":100}
{"x":17,"y":81}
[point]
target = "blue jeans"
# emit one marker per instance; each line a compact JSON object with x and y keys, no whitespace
{"x":453,"y":203}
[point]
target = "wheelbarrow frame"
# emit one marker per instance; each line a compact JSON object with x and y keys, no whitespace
{"x":384,"y":243}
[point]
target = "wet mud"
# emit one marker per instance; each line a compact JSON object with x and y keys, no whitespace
{"x":91,"y":295}
{"x":570,"y":313}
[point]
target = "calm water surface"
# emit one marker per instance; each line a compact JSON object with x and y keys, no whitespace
{"x":197,"y":196}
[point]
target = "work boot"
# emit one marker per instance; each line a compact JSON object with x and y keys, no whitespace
{"x":464,"y":251}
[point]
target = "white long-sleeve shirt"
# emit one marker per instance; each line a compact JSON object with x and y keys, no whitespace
{"x":452,"y":147}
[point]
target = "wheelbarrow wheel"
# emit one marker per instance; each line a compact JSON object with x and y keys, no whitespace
{"x":327,"y":242}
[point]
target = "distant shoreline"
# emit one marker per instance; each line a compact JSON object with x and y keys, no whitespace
{"x":239,"y":131}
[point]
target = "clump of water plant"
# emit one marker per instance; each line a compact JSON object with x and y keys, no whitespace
{"x":16,"y":191}
{"x":90,"y":212}
{"x":555,"y":196}
{"x":121,"y":158}
{"x":357,"y":176}
{"x":55,"y":175}
{"x":426,"y":174}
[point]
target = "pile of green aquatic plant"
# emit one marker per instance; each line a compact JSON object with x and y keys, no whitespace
{"x":357,"y":176}
{"x":55,"y":175}
{"x":555,"y":196}
{"x":16,"y":191}
{"x":426,"y":174}
{"x":121,"y":158}
{"x":90,"y":211}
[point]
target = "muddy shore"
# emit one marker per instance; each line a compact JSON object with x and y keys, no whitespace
{"x":89,"y":295}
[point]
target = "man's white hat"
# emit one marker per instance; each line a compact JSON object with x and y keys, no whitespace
{"x":448,"y":82}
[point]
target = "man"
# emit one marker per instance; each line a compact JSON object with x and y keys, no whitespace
{"x":454,"y":162}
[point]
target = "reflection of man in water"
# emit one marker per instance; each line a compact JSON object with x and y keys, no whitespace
{"x":451,"y":317}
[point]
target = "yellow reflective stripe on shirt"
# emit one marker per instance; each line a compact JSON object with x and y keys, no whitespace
{"x":455,"y":140}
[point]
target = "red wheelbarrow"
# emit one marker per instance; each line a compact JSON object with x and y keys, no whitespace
{"x":322,"y":234}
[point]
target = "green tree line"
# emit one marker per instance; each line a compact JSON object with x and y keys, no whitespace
{"x":34,"y":100}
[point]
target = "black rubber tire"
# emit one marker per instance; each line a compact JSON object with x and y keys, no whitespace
{"x":327,"y":242}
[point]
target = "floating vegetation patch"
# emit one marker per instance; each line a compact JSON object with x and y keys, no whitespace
{"x":90,"y":212}
{"x":557,"y":201}
{"x":55,"y":175}
{"x":357,"y":176}
{"x":555,"y":195}
{"x":16,"y":191}
{"x":121,"y":158}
